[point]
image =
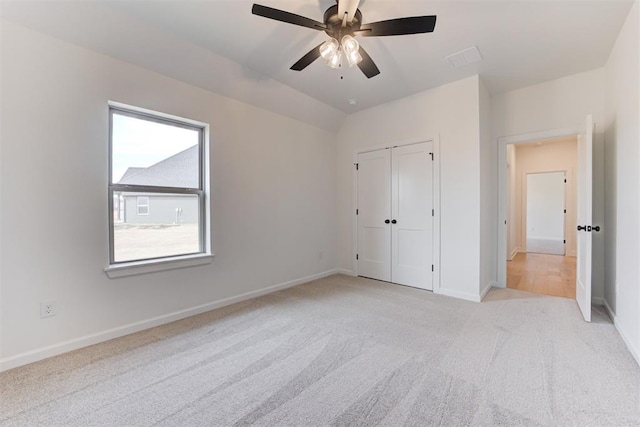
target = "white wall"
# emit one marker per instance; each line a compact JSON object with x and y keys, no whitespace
{"x":562,"y":104}
{"x":450,"y":113}
{"x":273,"y":197}
{"x":622,"y":137}
{"x":560,"y":155}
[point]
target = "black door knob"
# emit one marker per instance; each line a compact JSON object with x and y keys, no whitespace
{"x":386,"y":221}
{"x":393,"y":221}
{"x":582,"y":227}
{"x":596,"y":228}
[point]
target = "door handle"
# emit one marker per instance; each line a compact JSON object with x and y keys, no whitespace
{"x":393,"y":221}
{"x":386,"y":221}
{"x":588,"y":228}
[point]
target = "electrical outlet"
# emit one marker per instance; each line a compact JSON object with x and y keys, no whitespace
{"x":47,"y":309}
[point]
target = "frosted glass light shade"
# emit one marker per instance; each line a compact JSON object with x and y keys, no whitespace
{"x":336,"y":60}
{"x":353,"y":58}
{"x":329,"y":48}
{"x":349,"y":44}
{"x":351,"y":48}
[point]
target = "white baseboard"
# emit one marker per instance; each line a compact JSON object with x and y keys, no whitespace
{"x":513,"y":253}
{"x":486,"y":290}
{"x":91,"y":339}
{"x":634,"y":351}
{"x":344,"y":271}
{"x":597,"y":301}
{"x":460,"y":295}
{"x":610,"y":312}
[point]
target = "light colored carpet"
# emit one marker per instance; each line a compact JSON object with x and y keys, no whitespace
{"x":344,"y":351}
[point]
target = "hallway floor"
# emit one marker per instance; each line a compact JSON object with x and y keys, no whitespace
{"x":543,"y":274}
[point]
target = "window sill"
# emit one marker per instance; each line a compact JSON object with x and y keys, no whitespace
{"x":152,"y":266}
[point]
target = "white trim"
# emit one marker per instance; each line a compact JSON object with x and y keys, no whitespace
{"x":152,"y":266}
{"x":502,"y":188}
{"x":634,"y":352}
{"x":610,"y":312}
{"x":460,"y":295}
{"x":345,"y":272}
{"x":436,"y":247}
{"x":515,"y":252}
{"x":486,"y":290}
{"x":612,"y":315}
{"x":91,"y":339}
{"x":435,"y":141}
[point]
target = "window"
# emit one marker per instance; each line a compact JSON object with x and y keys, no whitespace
{"x":143,"y":205}
{"x":158,"y":160}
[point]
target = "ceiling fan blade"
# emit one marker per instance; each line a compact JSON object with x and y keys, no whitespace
{"x":349,"y":7}
{"x":367,"y":66}
{"x":306,"y":60}
{"x":288,"y":17}
{"x":398,"y":27}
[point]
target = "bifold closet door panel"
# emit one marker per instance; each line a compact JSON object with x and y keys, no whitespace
{"x":411,"y":209}
{"x":374,"y":208}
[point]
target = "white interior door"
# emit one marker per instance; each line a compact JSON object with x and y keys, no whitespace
{"x":546,"y":213}
{"x":411,"y":214}
{"x":585,"y":173}
{"x":374,"y":208}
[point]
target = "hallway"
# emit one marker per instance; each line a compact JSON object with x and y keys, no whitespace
{"x":553,"y":275}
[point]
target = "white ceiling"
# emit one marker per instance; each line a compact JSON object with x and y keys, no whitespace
{"x":522,"y":42}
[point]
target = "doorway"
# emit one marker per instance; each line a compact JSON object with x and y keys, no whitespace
{"x":542,"y":197}
{"x":583,"y":183}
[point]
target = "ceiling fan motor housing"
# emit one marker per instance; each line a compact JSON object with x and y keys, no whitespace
{"x":334,"y":23}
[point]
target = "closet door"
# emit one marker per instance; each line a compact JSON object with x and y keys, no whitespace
{"x":411,"y":213}
{"x":374,"y":208}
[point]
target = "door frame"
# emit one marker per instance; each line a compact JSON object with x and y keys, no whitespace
{"x":436,"y":202}
{"x":502,"y":188}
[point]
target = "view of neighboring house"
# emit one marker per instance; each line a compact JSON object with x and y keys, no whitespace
{"x":176,"y":171}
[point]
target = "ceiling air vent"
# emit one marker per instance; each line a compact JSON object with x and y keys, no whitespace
{"x":465,"y":57}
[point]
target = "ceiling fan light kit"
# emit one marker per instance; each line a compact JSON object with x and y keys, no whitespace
{"x":336,"y":60}
{"x":329,"y":48}
{"x":344,"y":29}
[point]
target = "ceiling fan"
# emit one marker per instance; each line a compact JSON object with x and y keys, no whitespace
{"x":343,"y":22}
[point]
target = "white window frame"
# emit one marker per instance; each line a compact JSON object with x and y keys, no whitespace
{"x":142,"y":205}
{"x":204,"y":255}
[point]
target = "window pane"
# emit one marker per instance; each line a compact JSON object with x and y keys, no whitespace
{"x":169,"y":227}
{"x":149,"y":153}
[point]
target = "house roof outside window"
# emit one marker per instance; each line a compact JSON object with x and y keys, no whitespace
{"x":179,"y":170}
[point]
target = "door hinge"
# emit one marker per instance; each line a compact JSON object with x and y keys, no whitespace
{"x":432,"y":269}
{"x":433,"y":212}
{"x":356,"y":211}
{"x":356,"y":256}
{"x":565,"y":181}
{"x":564,"y":241}
{"x":431,"y":154}
{"x":565,"y":211}
{"x":356,"y":165}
